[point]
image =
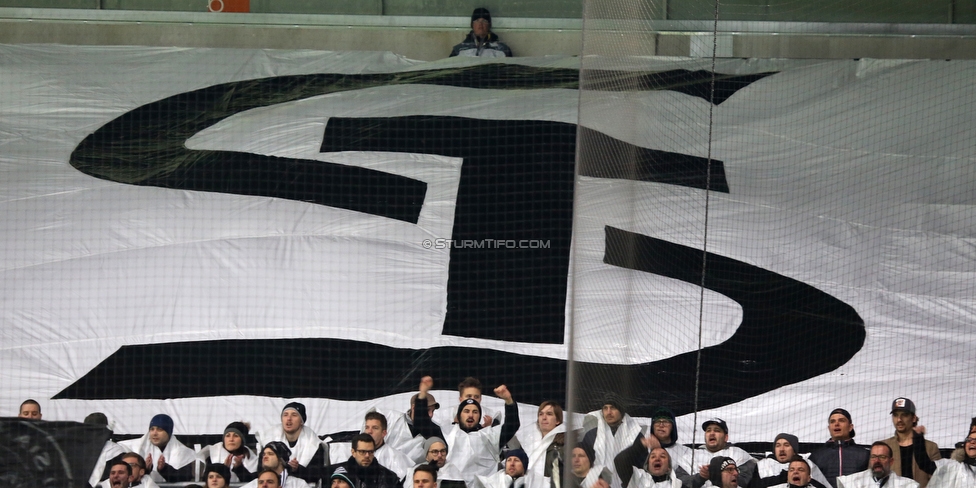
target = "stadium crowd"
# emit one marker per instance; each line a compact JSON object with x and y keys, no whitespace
{"x":481,"y":449}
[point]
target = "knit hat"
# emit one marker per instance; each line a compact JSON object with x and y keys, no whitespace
{"x":519,"y":453}
{"x":792,"y":439}
{"x":588,"y":449}
{"x":430,"y":443}
{"x":481,"y":13}
{"x":164,"y":422}
{"x":220,"y":469}
{"x":97,"y":418}
{"x":239,"y":428}
{"x":844,"y":413}
{"x":341,"y":473}
{"x":298,"y":407}
{"x":465,"y":403}
{"x":615,"y":401}
{"x":716,"y":466}
{"x":665,"y":413}
{"x":280,"y":449}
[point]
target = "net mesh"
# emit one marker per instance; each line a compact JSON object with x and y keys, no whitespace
{"x":743,"y":305}
{"x":213,"y":234}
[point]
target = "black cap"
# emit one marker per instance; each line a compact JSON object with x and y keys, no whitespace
{"x":716,"y":421}
{"x":844,"y":413}
{"x":903,"y":404}
{"x":481,"y":13}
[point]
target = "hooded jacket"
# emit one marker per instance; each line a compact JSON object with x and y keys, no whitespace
{"x":485,"y":48}
{"x":839,"y":458}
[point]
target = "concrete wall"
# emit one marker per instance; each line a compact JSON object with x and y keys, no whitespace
{"x":429,"y":38}
{"x":875,"y":11}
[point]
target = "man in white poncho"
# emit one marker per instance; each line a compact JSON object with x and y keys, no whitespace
{"x":474,"y":448}
{"x":167,"y":459}
{"x":307,"y":451}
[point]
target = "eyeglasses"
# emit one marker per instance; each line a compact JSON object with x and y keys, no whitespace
{"x":438,"y":452}
{"x":662,"y":421}
{"x":969,"y":440}
{"x":731,"y":469}
{"x":364,"y":452}
{"x":879,"y":457}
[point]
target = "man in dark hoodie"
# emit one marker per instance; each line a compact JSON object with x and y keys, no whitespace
{"x":474,"y":448}
{"x":664,"y":435}
{"x":481,"y":41}
{"x":841,"y":456}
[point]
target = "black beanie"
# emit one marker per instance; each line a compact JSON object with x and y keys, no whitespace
{"x":617,"y":402}
{"x":792,"y":439}
{"x":715,"y":468}
{"x":481,"y":13}
{"x":298,"y":407}
{"x":465,"y":403}
{"x":519,"y":453}
{"x":281,"y":450}
{"x":588,"y":449}
{"x":239,"y":428}
{"x":220,"y":469}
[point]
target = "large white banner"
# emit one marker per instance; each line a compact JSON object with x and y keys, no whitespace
{"x":298,"y":229}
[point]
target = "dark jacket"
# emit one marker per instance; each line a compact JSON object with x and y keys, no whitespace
{"x":924,"y":454}
{"x":840,"y":459}
{"x":372,"y":476}
{"x":313,"y":472}
{"x":490,"y":47}
{"x":422,"y":424}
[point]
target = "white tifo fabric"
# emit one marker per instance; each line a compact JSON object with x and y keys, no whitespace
{"x":474,"y":453}
{"x":643,"y":479}
{"x":306,"y":446}
{"x":608,"y":443}
{"x":177,"y":455}
{"x":537,"y":445}
{"x":831,"y":162}
{"x":502,"y":480}
{"x":217,"y":455}
{"x":865,"y":479}
{"x":952,"y":474}
{"x":109,"y":451}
